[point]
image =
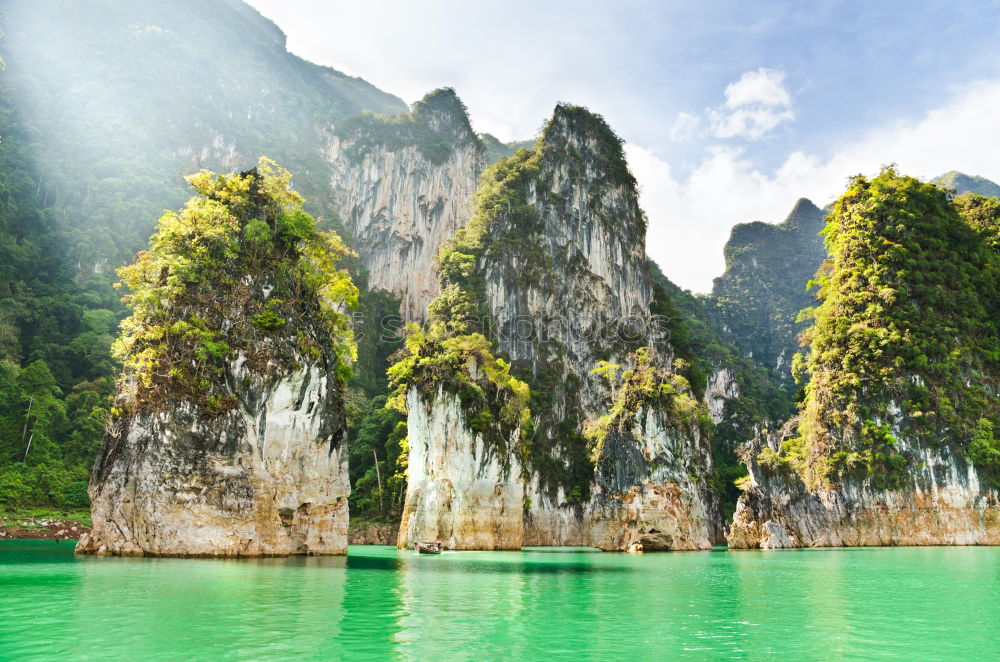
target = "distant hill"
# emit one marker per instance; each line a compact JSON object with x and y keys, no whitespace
{"x":962,"y":183}
{"x":764,"y":285}
{"x":168,"y":88}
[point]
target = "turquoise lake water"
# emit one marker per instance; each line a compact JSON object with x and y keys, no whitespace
{"x":932,"y":603}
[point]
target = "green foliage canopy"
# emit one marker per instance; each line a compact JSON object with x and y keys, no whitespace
{"x":223,"y":276}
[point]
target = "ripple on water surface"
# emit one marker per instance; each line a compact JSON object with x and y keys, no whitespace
{"x":380,"y":603}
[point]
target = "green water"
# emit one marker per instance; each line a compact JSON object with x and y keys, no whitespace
{"x":900,"y":603}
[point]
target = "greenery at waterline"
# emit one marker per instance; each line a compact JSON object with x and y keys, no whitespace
{"x":56,"y":328}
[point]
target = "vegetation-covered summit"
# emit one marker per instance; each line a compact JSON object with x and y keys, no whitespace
{"x":241,"y":274}
{"x":907,"y":319}
{"x":436,"y":125}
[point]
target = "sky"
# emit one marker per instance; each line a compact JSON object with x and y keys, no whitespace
{"x":731,"y":111}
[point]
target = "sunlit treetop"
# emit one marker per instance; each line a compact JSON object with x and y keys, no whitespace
{"x":240,"y":272}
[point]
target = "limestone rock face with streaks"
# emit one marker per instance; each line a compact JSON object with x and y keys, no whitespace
{"x":268,"y":478}
{"x":402,"y":187}
{"x":944,"y":502}
{"x":460,"y":490}
{"x":565,"y":285}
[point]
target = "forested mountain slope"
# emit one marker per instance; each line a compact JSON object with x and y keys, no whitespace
{"x":763,"y":289}
{"x":962,"y":183}
{"x":168,"y":88}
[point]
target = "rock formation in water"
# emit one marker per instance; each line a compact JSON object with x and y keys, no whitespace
{"x":896,"y":442}
{"x":227,"y":437}
{"x":552,"y":269}
{"x":940,"y":500}
{"x":402,"y":185}
{"x":764,"y":287}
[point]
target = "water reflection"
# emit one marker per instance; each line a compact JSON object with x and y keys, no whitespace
{"x":236,"y":609}
{"x":379,"y":603}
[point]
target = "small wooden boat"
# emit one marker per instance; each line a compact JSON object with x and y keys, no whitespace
{"x":429,"y":547}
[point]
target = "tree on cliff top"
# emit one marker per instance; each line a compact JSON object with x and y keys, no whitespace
{"x":240,"y":271}
{"x":907,"y":316}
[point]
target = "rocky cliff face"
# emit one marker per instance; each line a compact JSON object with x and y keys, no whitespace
{"x":560,"y":280}
{"x":646,"y":494}
{"x":402,"y":185}
{"x":943,"y":501}
{"x":227,"y":436}
{"x":268,"y":478}
{"x":469,"y":498}
{"x":458,"y":491}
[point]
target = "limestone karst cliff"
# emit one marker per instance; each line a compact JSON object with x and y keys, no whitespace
{"x":552,"y":270}
{"x":941,"y":500}
{"x":895,"y":443}
{"x":227,"y":437}
{"x":402,"y":185}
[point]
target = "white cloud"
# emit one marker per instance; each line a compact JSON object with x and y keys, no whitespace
{"x":685,"y":127}
{"x":690,"y":218}
{"x":764,"y":87}
{"x":752,"y":123}
{"x":755,"y":105}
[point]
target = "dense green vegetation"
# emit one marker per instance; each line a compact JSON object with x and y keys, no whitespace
{"x":907,"y":316}
{"x":436,"y":125}
{"x":983,"y":214}
{"x":644,"y":384}
{"x":56,"y":328}
{"x":238,"y":268}
{"x":496,"y":150}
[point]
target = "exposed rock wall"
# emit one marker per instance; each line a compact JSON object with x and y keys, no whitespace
{"x":646,"y":494}
{"x":400,"y":202}
{"x":372,"y":533}
{"x":722,"y":387}
{"x":458,"y":491}
{"x":469,"y":498}
{"x":566,"y":285}
{"x":266,"y":479}
{"x":943,"y":502}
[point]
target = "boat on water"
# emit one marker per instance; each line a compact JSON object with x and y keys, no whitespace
{"x":429,"y":547}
